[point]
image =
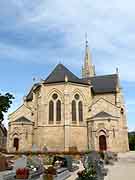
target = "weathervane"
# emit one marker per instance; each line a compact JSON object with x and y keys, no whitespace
{"x":33,"y":79}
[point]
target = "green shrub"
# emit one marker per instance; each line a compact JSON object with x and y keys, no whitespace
{"x":88,"y":151}
{"x":87,"y":174}
{"x":131,"y":137}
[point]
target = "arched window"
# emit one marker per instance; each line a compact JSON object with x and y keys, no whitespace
{"x":80,"y":111}
{"x":55,"y":109}
{"x":73,"y":110}
{"x":77,"y":108}
{"x":51,"y":111}
{"x":58,"y":111}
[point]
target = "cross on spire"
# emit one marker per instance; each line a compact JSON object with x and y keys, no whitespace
{"x":86,"y":39}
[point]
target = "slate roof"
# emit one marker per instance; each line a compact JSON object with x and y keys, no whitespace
{"x":29,"y":97}
{"x":59,"y":73}
{"x":103,"y":84}
{"x":102,"y":114}
{"x":23,"y":119}
{"x":106,"y":83}
{"x":100,"y":84}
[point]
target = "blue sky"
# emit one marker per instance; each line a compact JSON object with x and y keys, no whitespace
{"x":36,"y":35}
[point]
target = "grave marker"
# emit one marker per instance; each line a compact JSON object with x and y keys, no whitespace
{"x":21,"y":162}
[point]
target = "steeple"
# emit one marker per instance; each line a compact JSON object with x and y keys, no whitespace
{"x":87,"y":69}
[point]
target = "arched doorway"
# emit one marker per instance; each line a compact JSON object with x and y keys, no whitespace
{"x":16,"y":144}
{"x":102,"y":143}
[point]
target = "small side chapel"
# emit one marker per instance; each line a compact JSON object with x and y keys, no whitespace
{"x":65,"y":111}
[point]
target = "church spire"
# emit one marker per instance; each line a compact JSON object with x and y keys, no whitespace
{"x":87,"y":69}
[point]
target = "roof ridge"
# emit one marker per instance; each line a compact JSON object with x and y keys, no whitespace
{"x":104,"y":75}
{"x":98,"y":76}
{"x":104,"y":100}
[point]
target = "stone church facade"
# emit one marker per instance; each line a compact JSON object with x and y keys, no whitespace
{"x":64,"y":112}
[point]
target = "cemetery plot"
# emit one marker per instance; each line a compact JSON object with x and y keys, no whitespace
{"x":25,"y":168}
{"x":94,"y":167}
{"x":59,"y":167}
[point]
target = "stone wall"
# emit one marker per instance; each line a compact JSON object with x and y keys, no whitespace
{"x":78,"y":138}
{"x":50,"y":136}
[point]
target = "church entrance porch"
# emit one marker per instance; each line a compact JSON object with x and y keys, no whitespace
{"x":102,"y":143}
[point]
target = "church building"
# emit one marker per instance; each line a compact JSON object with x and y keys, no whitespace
{"x":64,"y":111}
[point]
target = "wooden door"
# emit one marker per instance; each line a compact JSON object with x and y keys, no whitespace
{"x":16,"y":143}
{"x":102,"y":143}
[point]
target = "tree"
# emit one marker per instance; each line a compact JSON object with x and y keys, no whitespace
{"x":131,"y":137}
{"x":5,"y":103}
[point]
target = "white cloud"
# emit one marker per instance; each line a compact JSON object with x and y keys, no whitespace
{"x":110,"y":26}
{"x":53,"y":31}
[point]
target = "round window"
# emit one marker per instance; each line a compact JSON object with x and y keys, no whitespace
{"x":54,"y":96}
{"x":76,"y":96}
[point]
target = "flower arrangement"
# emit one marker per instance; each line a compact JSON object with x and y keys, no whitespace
{"x":22,"y":173}
{"x":87,"y":174}
{"x":49,"y":173}
{"x":51,"y":170}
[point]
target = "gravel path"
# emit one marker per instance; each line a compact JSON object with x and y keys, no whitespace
{"x":124,"y":169}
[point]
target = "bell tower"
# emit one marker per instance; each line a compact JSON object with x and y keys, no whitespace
{"x":88,"y":69}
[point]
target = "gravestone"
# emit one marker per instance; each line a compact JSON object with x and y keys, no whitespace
{"x":59,"y":169}
{"x":110,"y":157}
{"x":35,"y":148}
{"x":91,"y":158}
{"x":45,"y":149}
{"x":100,"y":171}
{"x":21,"y":162}
{"x":109,"y":154}
{"x":69,"y":162}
